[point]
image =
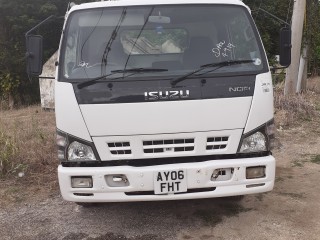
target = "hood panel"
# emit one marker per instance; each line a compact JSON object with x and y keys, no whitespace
{"x":166,"y":117}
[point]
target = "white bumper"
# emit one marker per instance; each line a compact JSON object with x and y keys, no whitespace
{"x":141,"y":179}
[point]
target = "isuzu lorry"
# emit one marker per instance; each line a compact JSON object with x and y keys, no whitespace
{"x":162,"y":100}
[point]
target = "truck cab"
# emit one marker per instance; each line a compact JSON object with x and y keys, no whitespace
{"x":163,"y":100}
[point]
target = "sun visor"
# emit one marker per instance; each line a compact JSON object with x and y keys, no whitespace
{"x":110,"y":20}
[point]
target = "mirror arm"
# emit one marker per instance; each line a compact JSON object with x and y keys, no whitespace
{"x":30,"y":55}
{"x":275,"y":17}
{"x":52,"y":17}
{"x":272,"y":68}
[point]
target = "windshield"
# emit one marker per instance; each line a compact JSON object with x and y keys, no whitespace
{"x":175,"y":38}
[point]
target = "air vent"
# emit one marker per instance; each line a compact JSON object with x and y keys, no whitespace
{"x":168,"y":145}
{"x":119,"y":148}
{"x":217,"y":143}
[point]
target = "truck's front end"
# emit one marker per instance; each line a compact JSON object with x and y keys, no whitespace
{"x":163,"y":100}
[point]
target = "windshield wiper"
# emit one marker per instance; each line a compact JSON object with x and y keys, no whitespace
{"x":209,"y":65}
{"x":139,"y":70}
{"x":93,"y":81}
{"x":132,"y":70}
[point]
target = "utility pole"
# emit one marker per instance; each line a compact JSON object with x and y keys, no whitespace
{"x":303,"y":71}
{"x":297,"y":30}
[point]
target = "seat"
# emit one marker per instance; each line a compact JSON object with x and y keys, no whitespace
{"x":116,"y":54}
{"x":198,"y":53}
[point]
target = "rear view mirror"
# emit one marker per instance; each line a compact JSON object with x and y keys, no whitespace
{"x":34,"y":55}
{"x":285,"y":46}
{"x":159,"y":19}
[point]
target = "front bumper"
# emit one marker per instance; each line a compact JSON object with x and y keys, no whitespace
{"x":141,"y":181}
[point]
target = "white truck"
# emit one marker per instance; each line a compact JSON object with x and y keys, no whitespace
{"x":162,"y":100}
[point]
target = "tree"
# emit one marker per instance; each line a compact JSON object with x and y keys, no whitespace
{"x":312,"y":36}
{"x":283,"y":10}
{"x":269,"y":27}
{"x":16,"y":18}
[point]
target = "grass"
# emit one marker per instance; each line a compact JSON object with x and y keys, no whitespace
{"x":27,"y":145}
{"x":28,"y":162}
{"x":294,"y":108}
{"x":8,"y":150}
{"x":315,"y":159}
{"x":279,"y":179}
{"x":297,"y":163}
{"x":13,"y":190}
{"x":293,"y":195}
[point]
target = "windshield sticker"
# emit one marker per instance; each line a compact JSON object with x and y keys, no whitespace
{"x":83,"y":64}
{"x":257,"y":62}
{"x":223,"y":49}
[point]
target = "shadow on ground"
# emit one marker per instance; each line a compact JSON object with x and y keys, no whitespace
{"x":165,"y":217}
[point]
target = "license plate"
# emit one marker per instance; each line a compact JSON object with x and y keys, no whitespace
{"x":174,"y":181}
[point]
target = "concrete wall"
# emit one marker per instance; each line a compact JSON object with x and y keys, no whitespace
{"x":47,"y":85}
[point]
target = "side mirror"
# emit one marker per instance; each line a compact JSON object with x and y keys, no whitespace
{"x":34,"y":55}
{"x":285,"y":46}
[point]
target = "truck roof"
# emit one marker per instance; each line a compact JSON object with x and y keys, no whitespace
{"x":116,"y":3}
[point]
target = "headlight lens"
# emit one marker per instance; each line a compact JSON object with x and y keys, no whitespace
{"x":79,"y":151}
{"x":256,"y":142}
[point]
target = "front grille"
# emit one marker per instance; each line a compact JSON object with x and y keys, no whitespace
{"x":217,"y":143}
{"x":168,"y":145}
{"x":119,"y":148}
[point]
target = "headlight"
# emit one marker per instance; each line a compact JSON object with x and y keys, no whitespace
{"x":256,"y":142}
{"x":79,"y":151}
{"x":259,"y":140}
{"x":74,"y":149}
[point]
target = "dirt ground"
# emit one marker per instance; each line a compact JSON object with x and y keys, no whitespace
{"x":290,"y":211}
